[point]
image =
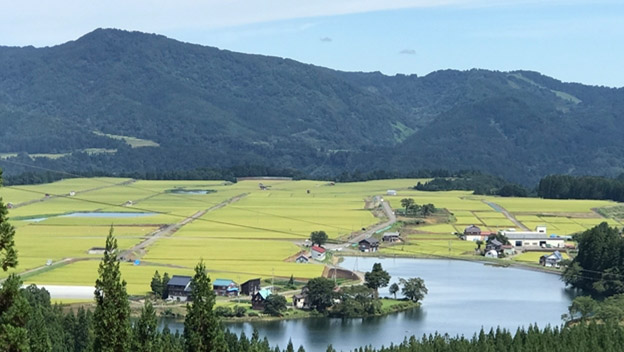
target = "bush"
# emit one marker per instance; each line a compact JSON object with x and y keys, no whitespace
{"x":222,"y":311}
{"x":240,"y":311}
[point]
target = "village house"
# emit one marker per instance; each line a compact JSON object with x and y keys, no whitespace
{"x":472,"y":233}
{"x":317,"y":253}
{"x":225,"y":287}
{"x":250,"y":287}
{"x":551,"y":260}
{"x":300,"y":301}
{"x":179,"y":288}
{"x":495,"y":245}
{"x":258,"y":299}
{"x":391,"y":237}
{"x":302,"y":259}
{"x":369,"y":244}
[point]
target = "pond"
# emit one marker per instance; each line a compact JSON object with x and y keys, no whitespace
{"x":463,"y":297}
{"x":190,"y":191}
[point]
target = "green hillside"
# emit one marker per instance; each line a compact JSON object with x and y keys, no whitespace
{"x":182,"y":106}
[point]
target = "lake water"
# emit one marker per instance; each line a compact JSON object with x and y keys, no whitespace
{"x":463,"y":297}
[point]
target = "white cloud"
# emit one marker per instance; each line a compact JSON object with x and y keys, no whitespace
{"x":45,"y":22}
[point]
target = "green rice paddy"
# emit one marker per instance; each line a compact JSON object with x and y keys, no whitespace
{"x":251,"y":237}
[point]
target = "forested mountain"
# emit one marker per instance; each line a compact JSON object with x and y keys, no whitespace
{"x":205,"y":107}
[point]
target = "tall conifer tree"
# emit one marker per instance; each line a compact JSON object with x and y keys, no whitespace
{"x":202,"y":329}
{"x":111,"y":318}
{"x":146,"y":335}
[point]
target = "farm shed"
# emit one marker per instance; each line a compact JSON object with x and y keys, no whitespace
{"x":96,"y":250}
{"x":250,"y":287}
{"x":179,"y":288}
{"x":533,"y":239}
{"x":391,"y":237}
{"x":317,"y":253}
{"x":391,"y":192}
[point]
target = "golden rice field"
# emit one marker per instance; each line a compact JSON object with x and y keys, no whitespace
{"x":250,"y":237}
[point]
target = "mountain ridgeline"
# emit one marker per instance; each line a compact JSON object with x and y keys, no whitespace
{"x":189,"y":106}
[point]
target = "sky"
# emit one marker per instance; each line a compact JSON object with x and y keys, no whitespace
{"x":571,"y":40}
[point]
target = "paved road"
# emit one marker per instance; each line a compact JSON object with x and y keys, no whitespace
{"x":385,"y":206}
{"x":507,"y":214}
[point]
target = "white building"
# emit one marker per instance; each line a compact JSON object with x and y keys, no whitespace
{"x":533,"y":239}
{"x":318,"y":253}
{"x":391,"y":192}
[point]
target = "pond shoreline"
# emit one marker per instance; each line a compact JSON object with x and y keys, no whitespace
{"x":483,"y":260}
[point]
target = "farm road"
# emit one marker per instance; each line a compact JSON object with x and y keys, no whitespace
{"x":385,"y":206}
{"x":23,"y":204}
{"x":140,"y":248}
{"x":507,"y":214}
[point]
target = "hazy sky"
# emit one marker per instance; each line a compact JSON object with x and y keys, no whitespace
{"x":579,"y":41}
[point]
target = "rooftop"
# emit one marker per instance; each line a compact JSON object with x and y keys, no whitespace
{"x":370,"y":240}
{"x":223,"y":282}
{"x":318,"y":249}
{"x":177,"y":280}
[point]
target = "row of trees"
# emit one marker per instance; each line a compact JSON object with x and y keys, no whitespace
{"x":581,"y":337}
{"x":159,"y":285}
{"x":474,"y":181}
{"x":599,"y":265}
{"x":359,"y":300}
{"x":581,"y":187}
{"x":413,"y":209}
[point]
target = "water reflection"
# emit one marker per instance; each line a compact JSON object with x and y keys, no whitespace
{"x":463,"y":298}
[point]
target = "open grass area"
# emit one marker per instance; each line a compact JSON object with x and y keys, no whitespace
{"x":453,"y":248}
{"x":134,"y":142}
{"x":538,"y":205}
{"x":534,"y":257}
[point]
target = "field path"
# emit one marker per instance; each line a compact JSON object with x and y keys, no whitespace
{"x":140,"y":248}
{"x":512,"y":218}
{"x":385,"y":206}
{"x":23,"y":204}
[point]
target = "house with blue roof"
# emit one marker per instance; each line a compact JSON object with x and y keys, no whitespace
{"x":258,"y":300}
{"x":225,"y":287}
{"x":551,"y":260}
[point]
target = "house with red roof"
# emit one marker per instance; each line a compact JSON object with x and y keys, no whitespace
{"x":318,"y":253}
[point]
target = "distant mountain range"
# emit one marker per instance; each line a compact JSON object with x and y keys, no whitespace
{"x":73,"y":107}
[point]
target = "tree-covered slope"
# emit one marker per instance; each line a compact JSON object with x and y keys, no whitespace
{"x":215,"y":108}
